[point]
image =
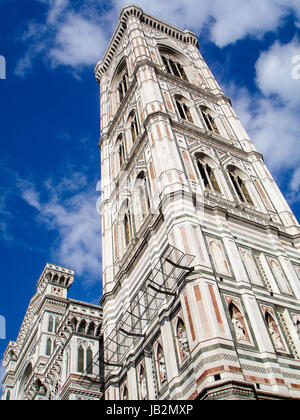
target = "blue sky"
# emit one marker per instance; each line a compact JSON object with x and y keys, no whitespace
{"x":49,"y":121}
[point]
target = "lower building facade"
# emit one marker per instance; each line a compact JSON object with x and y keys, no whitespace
{"x":56,"y":354}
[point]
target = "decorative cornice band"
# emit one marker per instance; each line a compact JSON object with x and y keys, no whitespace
{"x":134,"y":11}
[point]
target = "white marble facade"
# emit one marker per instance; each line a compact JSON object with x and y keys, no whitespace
{"x":180,"y":177}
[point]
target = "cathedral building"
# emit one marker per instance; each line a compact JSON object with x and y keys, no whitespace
{"x":201,"y":262}
{"x":56,"y":354}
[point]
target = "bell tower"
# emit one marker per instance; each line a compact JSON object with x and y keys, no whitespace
{"x":201,"y":262}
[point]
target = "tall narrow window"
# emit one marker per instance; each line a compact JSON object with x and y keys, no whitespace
{"x":123,"y":87}
{"x":80,"y":361}
{"x":49,"y":347}
{"x":240,"y":188}
{"x":56,"y":323}
{"x":50,"y":323}
{"x":121,"y":155}
{"x":89,"y":361}
{"x":184,"y":111}
{"x":126,"y":223}
{"x":174,"y":68}
{"x":208,"y":177}
{"x":209,"y":120}
{"x":134,"y":128}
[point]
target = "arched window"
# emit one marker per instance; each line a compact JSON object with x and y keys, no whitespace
{"x":7,"y":396}
{"x":82,"y":327}
{"x":25,"y":378}
{"x":143,"y":194}
{"x":50,"y":323}
{"x":125,"y":393}
{"x":126,"y":226}
{"x":132,"y":127}
{"x":172,"y":60}
{"x":209,"y":120}
{"x":174,"y":68}
{"x":208,"y":176}
{"x":121,"y":152}
{"x":48,"y":347}
{"x":183,"y":110}
{"x":80,"y":359}
{"x":89,"y":361}
{"x":123,"y":86}
{"x":56,"y":324}
{"x":239,"y":185}
{"x":91,"y":329}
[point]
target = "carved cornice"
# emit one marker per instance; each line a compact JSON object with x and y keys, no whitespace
{"x":184,"y":36}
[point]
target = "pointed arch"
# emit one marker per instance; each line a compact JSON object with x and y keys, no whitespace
{"x":238,"y":322}
{"x":183,"y":108}
{"x":207,"y":170}
{"x":209,"y":118}
{"x":89,"y":361}
{"x":80,"y":359}
{"x":48,"y":347}
{"x":238,"y":180}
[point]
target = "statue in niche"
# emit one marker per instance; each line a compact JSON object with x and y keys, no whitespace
{"x":143,"y":384}
{"x":275,"y":335}
{"x":238,"y":328}
{"x":162,"y":367}
{"x":183,"y":341}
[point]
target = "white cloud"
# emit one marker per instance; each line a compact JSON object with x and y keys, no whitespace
{"x":274,"y":72}
{"x":77,"y":36}
{"x":271,"y":117}
{"x":227,"y":21}
{"x":77,"y":224}
{"x":78,"y":42}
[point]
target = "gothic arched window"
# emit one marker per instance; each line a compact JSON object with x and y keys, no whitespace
{"x":121,"y":152}
{"x":183,"y":110}
{"x":173,"y":61}
{"x":174,"y":67}
{"x":208,"y":176}
{"x":143,"y":194}
{"x":132,"y":127}
{"x":123,"y":86}
{"x":209,"y":119}
{"x":48,"y":347}
{"x":50,"y":323}
{"x":89,"y":361}
{"x":56,"y":324}
{"x":126,"y":225}
{"x":239,"y":185}
{"x":80,"y":359}
{"x":125,"y":393}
